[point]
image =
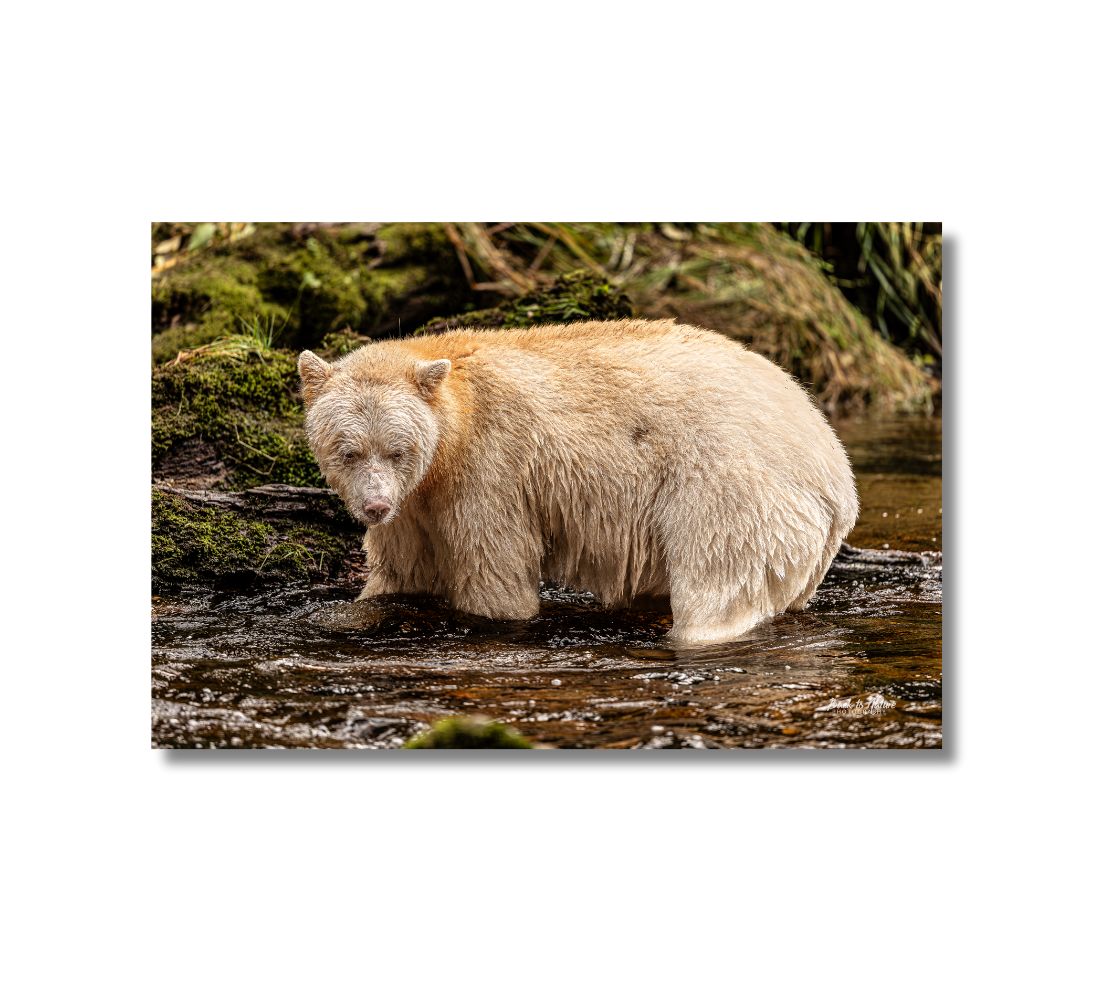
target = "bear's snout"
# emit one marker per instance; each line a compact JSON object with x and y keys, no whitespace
{"x":376,"y":508}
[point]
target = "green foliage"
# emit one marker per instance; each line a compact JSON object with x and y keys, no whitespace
{"x":240,"y":397}
{"x":469,"y":734}
{"x":192,"y":543}
{"x":304,"y":281}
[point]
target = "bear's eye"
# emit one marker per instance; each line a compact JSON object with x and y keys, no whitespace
{"x":349,"y":457}
{"x":396,"y":456}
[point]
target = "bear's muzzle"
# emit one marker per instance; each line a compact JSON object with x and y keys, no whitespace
{"x":376,"y":509}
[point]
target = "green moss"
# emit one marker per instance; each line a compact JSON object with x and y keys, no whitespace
{"x":469,"y":734}
{"x":402,"y":242}
{"x":306,"y":282}
{"x":241,"y":400}
{"x":573,"y":297}
{"x":208,"y":281}
{"x":167,"y":345}
{"x":335,"y":345}
{"x":188,"y":544}
{"x":319,"y":281}
{"x":193,"y":543}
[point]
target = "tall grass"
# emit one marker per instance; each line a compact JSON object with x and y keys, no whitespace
{"x":255,"y":338}
{"x":891,"y":271}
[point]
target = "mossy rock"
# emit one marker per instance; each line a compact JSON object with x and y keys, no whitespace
{"x":237,"y":406}
{"x":195,"y":540}
{"x":469,"y":734}
{"x":302,"y":282}
{"x":574,"y":297}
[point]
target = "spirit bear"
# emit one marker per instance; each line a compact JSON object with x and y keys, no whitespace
{"x":630,"y":458}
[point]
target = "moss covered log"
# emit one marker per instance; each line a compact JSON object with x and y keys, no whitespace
{"x":263,"y":536}
{"x":571,"y":298}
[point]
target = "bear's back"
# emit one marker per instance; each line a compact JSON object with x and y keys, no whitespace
{"x":642,"y":371}
{"x":659,"y":361}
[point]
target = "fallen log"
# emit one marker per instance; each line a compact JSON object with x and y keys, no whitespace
{"x":274,"y":502}
{"x":261,"y":536}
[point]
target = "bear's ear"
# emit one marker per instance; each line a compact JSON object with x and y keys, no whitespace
{"x":429,"y":374}
{"x":313,"y":373}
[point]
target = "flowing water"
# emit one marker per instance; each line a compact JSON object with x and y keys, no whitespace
{"x":310,"y":667}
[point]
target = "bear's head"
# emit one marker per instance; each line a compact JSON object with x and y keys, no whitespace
{"x":372,"y":425}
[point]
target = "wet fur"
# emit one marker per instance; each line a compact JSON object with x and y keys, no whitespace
{"x":630,"y":459}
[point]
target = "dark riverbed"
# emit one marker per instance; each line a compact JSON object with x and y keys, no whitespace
{"x":304,"y":667}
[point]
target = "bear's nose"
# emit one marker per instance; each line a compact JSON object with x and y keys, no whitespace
{"x":376,"y":509}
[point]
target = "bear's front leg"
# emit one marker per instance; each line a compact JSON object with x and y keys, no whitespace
{"x":490,"y":597}
{"x":399,"y":559}
{"x":492,"y":564}
{"x":498,"y":587}
{"x":377,"y":585}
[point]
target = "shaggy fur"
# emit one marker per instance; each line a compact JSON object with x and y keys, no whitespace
{"x":627,"y":458}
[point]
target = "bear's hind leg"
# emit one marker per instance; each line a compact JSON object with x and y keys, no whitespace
{"x":807,"y":592}
{"x":718,"y":582}
{"x":733,"y":564}
{"x":832,"y":546}
{"x":703,"y":615}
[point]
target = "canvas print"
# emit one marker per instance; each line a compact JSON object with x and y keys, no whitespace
{"x":546,"y":485}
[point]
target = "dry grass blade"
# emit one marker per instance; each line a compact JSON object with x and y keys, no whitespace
{"x":478,"y":245}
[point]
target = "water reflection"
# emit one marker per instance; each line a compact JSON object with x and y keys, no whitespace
{"x":861,"y":667}
{"x":898,"y":475}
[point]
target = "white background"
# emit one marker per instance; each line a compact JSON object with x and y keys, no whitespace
{"x":986,"y":869}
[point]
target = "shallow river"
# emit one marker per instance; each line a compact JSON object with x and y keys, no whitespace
{"x":309,"y":667}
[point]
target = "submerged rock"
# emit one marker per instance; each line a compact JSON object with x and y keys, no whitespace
{"x":469,"y":734}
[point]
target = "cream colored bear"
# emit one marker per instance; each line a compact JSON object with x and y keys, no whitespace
{"x":627,"y":458}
